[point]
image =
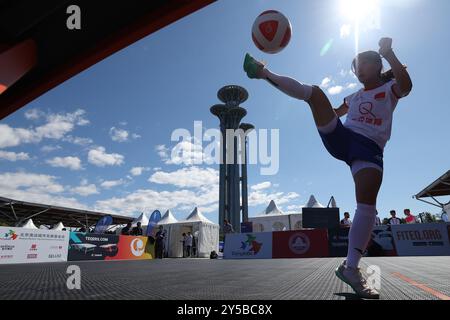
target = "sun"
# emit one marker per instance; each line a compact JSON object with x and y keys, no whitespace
{"x":358,"y":10}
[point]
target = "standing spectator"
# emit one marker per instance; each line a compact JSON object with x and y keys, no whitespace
{"x":409,"y":217}
{"x":227,"y":228}
{"x":188,"y":244}
{"x":377,"y":219}
{"x":393,"y":219}
{"x":346,"y":222}
{"x":194,"y":246}
{"x":126,"y":231}
{"x":444,"y":216}
{"x":184,"y":244}
{"x":159,"y":243}
{"x":137,"y":231}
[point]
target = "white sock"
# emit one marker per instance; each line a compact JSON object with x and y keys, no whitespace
{"x":360,"y":233}
{"x":290,"y":86}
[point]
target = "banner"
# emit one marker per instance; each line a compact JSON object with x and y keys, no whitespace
{"x":132,"y":248}
{"x":90,"y":246}
{"x":247,"y":227}
{"x":381,"y":242}
{"x":19,"y":245}
{"x":338,"y":242}
{"x":248,"y":245}
{"x":152,"y":222}
{"x":103,"y":223}
{"x":300,"y":244}
{"x":421,"y":239}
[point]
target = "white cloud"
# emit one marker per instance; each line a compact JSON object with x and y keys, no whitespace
{"x":99,"y":157}
{"x":13,"y":156}
{"x":335,"y":90}
{"x":34,"y":114}
{"x":137,"y":171}
{"x":49,"y":148}
{"x":73,"y":163}
{"x":122,"y":135}
{"x":108,"y":184}
{"x":261,"y":186}
{"x":85,"y":189}
{"x":257,"y":197}
{"x":325,"y":82}
{"x":56,"y":127}
{"x":345,"y":30}
{"x":187,"y":177}
{"x":78,"y":140}
{"x":38,"y":188}
{"x":118,"y":135}
{"x":163,"y":152}
{"x":352,"y":85}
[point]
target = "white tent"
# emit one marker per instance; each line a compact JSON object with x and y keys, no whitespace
{"x":29,"y":225}
{"x":271,"y":219}
{"x":58,"y":227}
{"x":313,"y":203}
{"x":205,"y":232}
{"x":143,"y":219}
{"x":168,"y":218}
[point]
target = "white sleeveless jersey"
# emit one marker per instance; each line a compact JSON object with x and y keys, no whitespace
{"x":370,"y":112}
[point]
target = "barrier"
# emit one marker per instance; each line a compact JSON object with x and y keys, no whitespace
{"x":300,"y":244}
{"x":90,"y":246}
{"x":248,"y":245}
{"x":19,"y":245}
{"x":429,"y":239}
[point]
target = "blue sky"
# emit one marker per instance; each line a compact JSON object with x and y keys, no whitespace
{"x":77,"y":145}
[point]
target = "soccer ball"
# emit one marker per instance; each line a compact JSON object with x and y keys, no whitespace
{"x":271,"y":31}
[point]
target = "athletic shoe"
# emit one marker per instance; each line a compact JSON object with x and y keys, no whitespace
{"x":356,"y":281}
{"x":253,"y":67}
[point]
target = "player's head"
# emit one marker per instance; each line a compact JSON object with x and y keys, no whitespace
{"x":367,"y":66}
{"x":346,"y":215}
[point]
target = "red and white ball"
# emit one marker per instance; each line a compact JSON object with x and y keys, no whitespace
{"x":271,"y":31}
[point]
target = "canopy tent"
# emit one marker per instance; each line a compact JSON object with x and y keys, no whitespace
{"x":29,"y":224}
{"x":313,"y":203}
{"x":271,"y":219}
{"x":143,"y":219}
{"x":58,"y":227}
{"x":205,"y":232}
{"x":439,"y":188}
{"x":167,"y":218}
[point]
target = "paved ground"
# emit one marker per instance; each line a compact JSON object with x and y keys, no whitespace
{"x":402,"y":278}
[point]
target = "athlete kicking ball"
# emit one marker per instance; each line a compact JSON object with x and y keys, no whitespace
{"x":359,"y":141}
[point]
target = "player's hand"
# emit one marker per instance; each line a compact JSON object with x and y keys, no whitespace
{"x":385,"y":46}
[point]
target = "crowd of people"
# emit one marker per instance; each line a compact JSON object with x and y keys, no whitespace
{"x":346,"y":222}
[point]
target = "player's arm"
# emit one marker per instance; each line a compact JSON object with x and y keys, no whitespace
{"x":342,"y":110}
{"x":403,"y":85}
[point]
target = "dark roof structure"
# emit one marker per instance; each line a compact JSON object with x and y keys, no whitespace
{"x":38,"y":51}
{"x":14,"y":212}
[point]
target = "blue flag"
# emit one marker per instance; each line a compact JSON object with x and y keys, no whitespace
{"x":102,"y":224}
{"x":152,"y":222}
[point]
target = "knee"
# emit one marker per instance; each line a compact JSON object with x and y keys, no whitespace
{"x":317,"y":93}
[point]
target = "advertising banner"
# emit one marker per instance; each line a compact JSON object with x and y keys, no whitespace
{"x":89,"y":246}
{"x":152,"y":222}
{"x":132,"y":248}
{"x":421,"y":239}
{"x":19,"y":245}
{"x":247,"y":227}
{"x":92,"y":246}
{"x":300,"y":244}
{"x":381,"y":242}
{"x":338,"y":242}
{"x":248,"y":245}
